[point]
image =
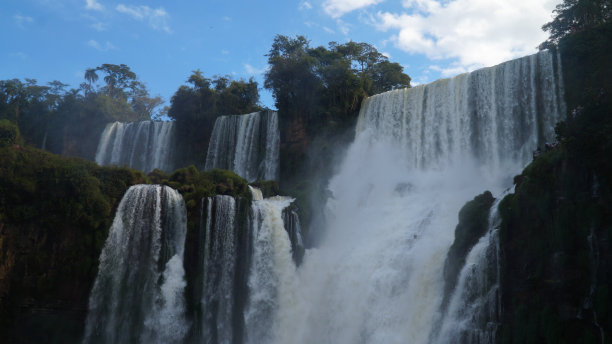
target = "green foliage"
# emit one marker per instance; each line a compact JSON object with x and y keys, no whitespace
{"x":68,"y":122}
{"x":573,"y":16}
{"x":326,"y":85}
{"x":196,"y":107}
{"x":9,"y":133}
{"x":586,"y":57}
{"x":54,"y":219}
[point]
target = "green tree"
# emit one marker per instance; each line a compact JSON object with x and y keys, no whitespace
{"x":576,"y":15}
{"x":91,"y":76}
{"x":326,"y":85}
{"x":196,"y":106}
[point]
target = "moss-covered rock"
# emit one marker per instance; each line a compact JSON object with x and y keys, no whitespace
{"x":268,"y":188}
{"x":9,"y":133}
{"x":473,"y":224}
{"x":555,"y":237}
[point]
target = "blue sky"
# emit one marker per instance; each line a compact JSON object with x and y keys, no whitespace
{"x":163,"y":41}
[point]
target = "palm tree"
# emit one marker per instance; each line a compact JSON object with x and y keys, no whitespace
{"x":91,"y":76}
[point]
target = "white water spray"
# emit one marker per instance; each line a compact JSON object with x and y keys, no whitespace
{"x":418,"y":156}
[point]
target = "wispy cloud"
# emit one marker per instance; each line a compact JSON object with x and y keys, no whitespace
{"x":337,"y":8}
{"x":100,"y":26}
{"x":93,"y":5}
{"x":304,"y":5}
{"x":101,"y":47}
{"x":253,"y":70}
{"x":22,"y":21}
{"x":475,"y":33}
{"x":343,"y":26}
{"x":20,"y":55}
{"x":156,"y":18}
{"x":328,"y":30}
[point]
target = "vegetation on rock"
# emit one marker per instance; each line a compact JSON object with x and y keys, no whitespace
{"x":473,"y":224}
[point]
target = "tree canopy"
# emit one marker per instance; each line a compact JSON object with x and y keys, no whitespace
{"x":196,"y":106}
{"x":574,"y":16}
{"x":327,"y":84}
{"x":71,"y":115}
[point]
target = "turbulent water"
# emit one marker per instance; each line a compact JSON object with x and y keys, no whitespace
{"x":418,"y":156}
{"x":141,"y":145}
{"x":272,"y":278}
{"x":246,"y":144}
{"x":138,"y":294}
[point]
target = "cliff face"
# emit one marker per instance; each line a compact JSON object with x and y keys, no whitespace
{"x":556,"y":254}
{"x":556,"y":228}
{"x":54,"y":217}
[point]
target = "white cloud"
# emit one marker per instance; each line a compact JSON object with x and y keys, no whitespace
{"x":156,"y":18}
{"x":304,"y":5}
{"x":343,"y":27}
{"x":93,"y":5}
{"x":328,"y":30}
{"x":448,"y":71}
{"x":96,"y":45}
{"x":99,"y":26}
{"x":337,"y":8}
{"x":22,"y":21}
{"x":476,"y":33}
{"x":253,"y":70}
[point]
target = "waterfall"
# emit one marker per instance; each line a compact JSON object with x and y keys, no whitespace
{"x":473,"y":314}
{"x":418,"y":156}
{"x":291,"y":219}
{"x":246,"y":265}
{"x":246,"y":144}
{"x":272,"y":275}
{"x":138,"y":294}
{"x":221,"y":255}
{"x":141,"y":145}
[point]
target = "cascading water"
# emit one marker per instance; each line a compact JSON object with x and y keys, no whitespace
{"x":246,"y":144}
{"x":141,"y":145}
{"x":291,"y":220}
{"x":418,"y":156}
{"x":272,"y":278}
{"x":221,"y":257}
{"x":138,"y":294}
{"x":473,"y":314}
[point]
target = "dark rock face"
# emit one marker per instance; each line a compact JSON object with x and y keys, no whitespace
{"x":473,"y":224}
{"x":555,"y":236}
{"x":556,"y":229}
